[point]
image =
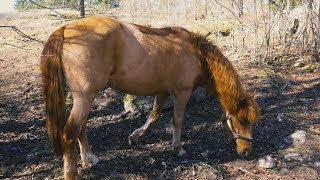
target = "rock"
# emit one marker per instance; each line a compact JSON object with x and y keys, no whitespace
{"x":144,"y":104}
{"x":284,"y":171}
{"x":299,"y":64}
{"x":317,"y":163}
{"x":32,"y":109}
{"x":298,"y":138}
{"x":205,"y":171}
{"x":129,"y":103}
{"x":267,"y":162}
{"x":205,"y":154}
{"x":307,"y":67}
{"x":315,"y":129}
{"x":280,"y":117}
{"x":293,"y":157}
{"x":31,"y":157}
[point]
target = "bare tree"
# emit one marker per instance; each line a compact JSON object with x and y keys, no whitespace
{"x":318,"y":39}
{"x":240,"y":4}
{"x":81,"y":8}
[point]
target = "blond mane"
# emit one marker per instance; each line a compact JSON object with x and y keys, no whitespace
{"x":225,"y":80}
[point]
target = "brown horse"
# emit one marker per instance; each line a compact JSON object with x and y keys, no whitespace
{"x":93,"y":52}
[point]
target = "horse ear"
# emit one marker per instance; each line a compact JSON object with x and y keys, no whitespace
{"x":254,"y":94}
{"x":246,"y":100}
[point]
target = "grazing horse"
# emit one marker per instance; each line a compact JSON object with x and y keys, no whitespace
{"x":96,"y":51}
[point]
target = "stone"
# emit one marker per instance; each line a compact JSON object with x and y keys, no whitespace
{"x":298,"y":138}
{"x":267,"y":162}
{"x":32,"y":157}
{"x":129,"y":103}
{"x":284,"y":170}
{"x":144,"y":104}
{"x":293,"y":157}
{"x":307,"y":67}
{"x":299,"y":64}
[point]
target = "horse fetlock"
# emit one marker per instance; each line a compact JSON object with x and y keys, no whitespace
{"x":132,"y":140}
{"x":89,"y":161}
{"x":71,"y":176}
{"x":134,"y":137}
{"x":179,"y":151}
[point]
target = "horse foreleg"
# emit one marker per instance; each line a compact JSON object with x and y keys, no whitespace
{"x":71,"y":132}
{"x":152,"y":118}
{"x":181,"y":101}
{"x":87,"y":158}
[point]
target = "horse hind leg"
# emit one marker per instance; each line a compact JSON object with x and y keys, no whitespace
{"x":73,"y":130}
{"x":152,"y":118}
{"x":87,"y":158}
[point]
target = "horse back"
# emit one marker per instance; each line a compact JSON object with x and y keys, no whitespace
{"x":106,"y":51}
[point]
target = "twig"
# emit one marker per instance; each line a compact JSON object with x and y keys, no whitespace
{"x":22,"y":34}
{"x":246,"y":171}
{"x":49,"y":9}
{"x":229,"y":11}
{"x":4,"y":43}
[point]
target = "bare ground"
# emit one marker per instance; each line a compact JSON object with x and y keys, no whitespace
{"x":289,"y":100}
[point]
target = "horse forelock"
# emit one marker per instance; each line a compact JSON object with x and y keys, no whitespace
{"x":249,"y":110}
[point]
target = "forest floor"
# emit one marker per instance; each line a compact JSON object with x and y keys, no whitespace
{"x":289,"y":98}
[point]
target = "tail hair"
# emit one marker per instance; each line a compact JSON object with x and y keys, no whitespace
{"x":53,"y":89}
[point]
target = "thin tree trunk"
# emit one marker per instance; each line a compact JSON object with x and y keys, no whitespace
{"x":82,"y":12}
{"x":267,"y":54}
{"x":255,"y":30}
{"x":206,"y":8}
{"x":168,"y":11}
{"x":240,"y":8}
{"x":318,"y":37}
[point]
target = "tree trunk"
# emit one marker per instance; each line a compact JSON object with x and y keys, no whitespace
{"x":82,"y":12}
{"x":240,"y":8}
{"x":318,"y":39}
{"x":168,"y":11}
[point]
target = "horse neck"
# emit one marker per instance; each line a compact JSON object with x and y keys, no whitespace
{"x":225,"y":81}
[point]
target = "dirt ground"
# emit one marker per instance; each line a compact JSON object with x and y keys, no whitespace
{"x":289,"y":100}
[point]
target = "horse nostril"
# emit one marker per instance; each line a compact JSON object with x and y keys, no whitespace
{"x":245,"y":153}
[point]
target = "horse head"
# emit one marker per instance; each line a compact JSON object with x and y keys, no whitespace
{"x":239,"y":124}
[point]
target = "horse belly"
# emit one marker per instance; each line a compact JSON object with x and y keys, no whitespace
{"x":139,"y":84}
{"x":155,"y":77}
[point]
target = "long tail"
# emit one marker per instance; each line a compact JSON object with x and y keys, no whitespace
{"x":53,"y":88}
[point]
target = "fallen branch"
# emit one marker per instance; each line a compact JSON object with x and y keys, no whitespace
{"x":22,"y":34}
{"x":4,"y":43}
{"x":246,"y":171}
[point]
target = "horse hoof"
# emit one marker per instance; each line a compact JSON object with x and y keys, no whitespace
{"x":179,"y":152}
{"x":71,"y":176}
{"x":90,"y":161}
{"x":132,"y":141}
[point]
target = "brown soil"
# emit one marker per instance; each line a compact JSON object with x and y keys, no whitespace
{"x":289,"y":100}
